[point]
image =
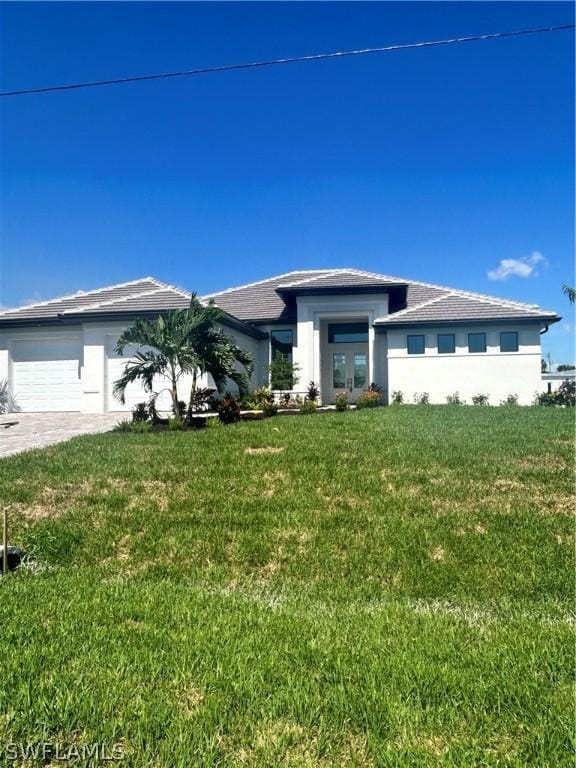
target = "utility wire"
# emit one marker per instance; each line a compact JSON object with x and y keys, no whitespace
{"x":290,"y":60}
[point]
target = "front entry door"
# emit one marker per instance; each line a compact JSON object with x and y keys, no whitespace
{"x":349,"y":370}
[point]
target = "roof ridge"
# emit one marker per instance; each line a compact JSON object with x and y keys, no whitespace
{"x":78,"y":293}
{"x":326,"y":273}
{"x":260,"y":282}
{"x":117,"y":300}
{"x":407,"y":310}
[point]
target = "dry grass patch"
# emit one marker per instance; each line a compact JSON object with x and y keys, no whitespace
{"x":270,"y":449}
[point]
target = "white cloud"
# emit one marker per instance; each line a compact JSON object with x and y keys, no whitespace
{"x":523,"y":267}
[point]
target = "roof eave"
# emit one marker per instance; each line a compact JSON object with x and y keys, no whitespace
{"x":383,"y":325}
{"x":77,"y":318}
{"x":337,"y":290}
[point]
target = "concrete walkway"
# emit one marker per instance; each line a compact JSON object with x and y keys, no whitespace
{"x":37,"y":430}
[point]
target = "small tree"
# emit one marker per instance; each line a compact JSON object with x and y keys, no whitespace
{"x":184,"y":341}
{"x":543,"y":366}
{"x":565,"y":367}
{"x":567,"y":290}
{"x":283,"y":374}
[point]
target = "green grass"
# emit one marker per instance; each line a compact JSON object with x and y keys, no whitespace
{"x":392,"y":587}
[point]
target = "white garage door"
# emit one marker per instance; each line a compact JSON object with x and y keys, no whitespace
{"x":46,"y":374}
{"x":134,"y":392}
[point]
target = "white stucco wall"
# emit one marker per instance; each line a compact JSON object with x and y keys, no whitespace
{"x":493,"y":373}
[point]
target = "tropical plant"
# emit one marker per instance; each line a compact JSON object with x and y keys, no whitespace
{"x":282,"y":373}
{"x":454,"y":399}
{"x":397,"y":397}
{"x":510,"y":400}
{"x":312,"y":392}
{"x":422,"y":398}
{"x":270,"y":408}
{"x":228,"y":409}
{"x":480,"y":399}
{"x":567,"y":290}
{"x":180,"y":342}
{"x":7,"y":402}
{"x":565,"y":367}
{"x":543,"y":366}
{"x":140,"y":412}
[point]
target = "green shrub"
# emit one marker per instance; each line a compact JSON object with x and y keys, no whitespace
{"x":228,"y":410}
{"x":397,"y":397}
{"x":480,"y":399}
{"x":175,"y":424}
{"x":565,"y":396}
{"x":308,"y":406}
{"x":510,"y":400}
{"x":341,"y":401}
{"x":270,"y":408}
{"x":422,"y":398}
{"x":141,"y":427}
{"x":123,"y":426}
{"x":455,"y":399}
{"x":370,"y":398}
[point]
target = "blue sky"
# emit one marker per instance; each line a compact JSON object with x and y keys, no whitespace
{"x":442,"y":165}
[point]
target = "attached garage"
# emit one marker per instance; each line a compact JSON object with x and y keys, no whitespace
{"x":59,"y":355}
{"x":46,"y":374}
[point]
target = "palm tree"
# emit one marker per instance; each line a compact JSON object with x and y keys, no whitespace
{"x":184,"y":341}
{"x":570,"y":292}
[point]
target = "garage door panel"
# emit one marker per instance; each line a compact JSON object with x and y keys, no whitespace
{"x":46,"y":374}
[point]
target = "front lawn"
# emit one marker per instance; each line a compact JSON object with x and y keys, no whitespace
{"x":390,"y":587}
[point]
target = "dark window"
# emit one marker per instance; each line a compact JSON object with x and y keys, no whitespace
{"x":282,"y":343}
{"x":342,"y":333}
{"x":476,"y":342}
{"x":415,"y":345}
{"x":508,"y":341}
{"x":446,"y":343}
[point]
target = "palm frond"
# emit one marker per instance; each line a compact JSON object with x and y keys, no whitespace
{"x":567,"y":290}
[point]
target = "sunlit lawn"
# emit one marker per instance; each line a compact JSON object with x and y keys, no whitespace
{"x":381,"y":588}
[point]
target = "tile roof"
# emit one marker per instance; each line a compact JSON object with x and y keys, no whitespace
{"x":456,"y":306}
{"x":270,"y":300}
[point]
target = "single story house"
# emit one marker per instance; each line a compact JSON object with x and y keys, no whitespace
{"x":551,"y":380}
{"x":343,"y":328}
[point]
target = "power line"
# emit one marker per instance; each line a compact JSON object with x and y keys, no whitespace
{"x":290,"y":60}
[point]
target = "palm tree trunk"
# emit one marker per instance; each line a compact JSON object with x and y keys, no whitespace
{"x":174,"y":390}
{"x":193,"y":390}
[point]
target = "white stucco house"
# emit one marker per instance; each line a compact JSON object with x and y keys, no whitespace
{"x":344,"y":328}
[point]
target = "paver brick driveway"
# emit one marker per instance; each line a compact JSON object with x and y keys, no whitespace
{"x":37,"y":430}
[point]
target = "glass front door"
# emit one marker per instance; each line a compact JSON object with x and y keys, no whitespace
{"x":349,"y":372}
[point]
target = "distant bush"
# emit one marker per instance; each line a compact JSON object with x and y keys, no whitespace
{"x":422,"y":399}
{"x":370,"y":398}
{"x":510,"y":400}
{"x":397,"y":397}
{"x":308,"y":406}
{"x":564,"y":396}
{"x":228,"y":410}
{"x":480,"y":399}
{"x":455,"y":399}
{"x":270,"y":408}
{"x":341,"y":401}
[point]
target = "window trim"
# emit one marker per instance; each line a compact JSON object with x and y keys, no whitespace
{"x":477,"y":351}
{"x":446,"y":336}
{"x":416,"y":336}
{"x":510,"y":333}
